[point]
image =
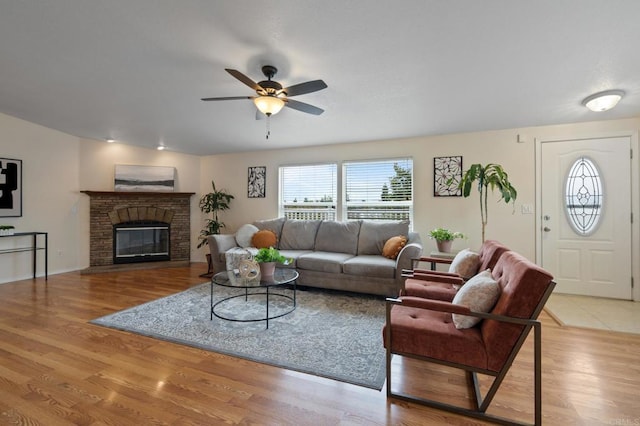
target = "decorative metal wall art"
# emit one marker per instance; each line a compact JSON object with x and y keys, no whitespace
{"x":257,"y":182}
{"x":10,"y":187}
{"x":447,"y":173}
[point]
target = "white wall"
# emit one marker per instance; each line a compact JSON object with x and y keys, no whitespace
{"x":49,"y":197}
{"x":506,"y":224}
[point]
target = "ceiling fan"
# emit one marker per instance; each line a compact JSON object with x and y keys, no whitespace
{"x":271,"y":97}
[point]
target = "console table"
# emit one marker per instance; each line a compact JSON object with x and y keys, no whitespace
{"x":33,"y":248}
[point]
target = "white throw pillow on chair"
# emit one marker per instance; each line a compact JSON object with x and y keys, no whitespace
{"x":465,"y":264}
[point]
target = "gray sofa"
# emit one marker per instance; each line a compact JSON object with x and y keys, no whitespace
{"x":331,"y":254}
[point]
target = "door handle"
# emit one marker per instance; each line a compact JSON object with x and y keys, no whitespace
{"x":546,"y":229}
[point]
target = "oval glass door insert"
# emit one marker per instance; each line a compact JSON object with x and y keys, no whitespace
{"x":583,"y":196}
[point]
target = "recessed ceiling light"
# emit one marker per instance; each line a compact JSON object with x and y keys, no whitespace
{"x":161,"y":148}
{"x":111,"y":140}
{"x":603,"y":101}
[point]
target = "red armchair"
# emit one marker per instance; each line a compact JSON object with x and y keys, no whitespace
{"x":423,"y":329}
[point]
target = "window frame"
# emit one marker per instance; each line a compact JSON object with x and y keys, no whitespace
{"x":309,"y":210}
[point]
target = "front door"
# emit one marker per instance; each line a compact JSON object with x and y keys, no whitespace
{"x":586,"y":215}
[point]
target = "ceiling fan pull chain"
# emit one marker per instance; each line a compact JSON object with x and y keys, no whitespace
{"x":268,"y":126}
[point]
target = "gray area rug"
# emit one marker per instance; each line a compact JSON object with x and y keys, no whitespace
{"x":329,"y":334}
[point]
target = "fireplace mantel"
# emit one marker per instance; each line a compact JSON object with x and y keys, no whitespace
{"x":138,"y":194}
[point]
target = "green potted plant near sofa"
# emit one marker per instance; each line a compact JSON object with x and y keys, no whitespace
{"x":444,"y":238}
{"x":213,"y":203}
{"x":267,"y":259}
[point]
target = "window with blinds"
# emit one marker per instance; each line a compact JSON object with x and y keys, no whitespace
{"x":308,"y":191}
{"x":378,"y":190}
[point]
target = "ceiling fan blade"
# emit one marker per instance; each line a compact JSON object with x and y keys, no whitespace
{"x":304,"y":88}
{"x":227,"y":98}
{"x":246,"y":80}
{"x":301,"y":106}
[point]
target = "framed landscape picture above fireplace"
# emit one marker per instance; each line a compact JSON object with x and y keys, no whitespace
{"x":144,"y":178}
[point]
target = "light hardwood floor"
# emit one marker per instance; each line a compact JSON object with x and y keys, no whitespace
{"x":57,"y":369}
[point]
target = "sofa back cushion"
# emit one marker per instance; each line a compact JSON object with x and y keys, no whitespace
{"x":299,"y":234}
{"x":338,"y":237}
{"x":373,"y":234}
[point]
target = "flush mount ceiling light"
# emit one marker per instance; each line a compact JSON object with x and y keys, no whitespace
{"x":161,"y":148}
{"x":111,"y":140}
{"x":268,"y":105}
{"x":603,"y":101}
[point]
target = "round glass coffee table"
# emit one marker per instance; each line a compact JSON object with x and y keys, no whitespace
{"x":255,"y":287}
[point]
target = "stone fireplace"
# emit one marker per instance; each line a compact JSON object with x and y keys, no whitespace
{"x":165,"y":215}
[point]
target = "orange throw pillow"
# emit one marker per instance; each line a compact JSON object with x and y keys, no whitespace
{"x":393,"y":246}
{"x":264,"y":239}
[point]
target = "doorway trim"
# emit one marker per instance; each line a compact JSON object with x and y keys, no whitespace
{"x":635,"y":195}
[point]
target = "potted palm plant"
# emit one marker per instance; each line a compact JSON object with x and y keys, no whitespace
{"x":444,"y":238}
{"x":492,"y":176}
{"x":267,"y":259}
{"x":213,"y":203}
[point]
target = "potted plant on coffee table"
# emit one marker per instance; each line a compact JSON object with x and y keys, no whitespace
{"x":267,"y":259}
{"x":444,"y":238}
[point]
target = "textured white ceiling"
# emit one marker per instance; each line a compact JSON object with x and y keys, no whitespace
{"x":135,"y":70}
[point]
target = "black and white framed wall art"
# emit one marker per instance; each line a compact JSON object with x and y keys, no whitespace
{"x":10,"y":187}
{"x":257,"y":182}
{"x":447,"y":173}
{"x":144,"y":178}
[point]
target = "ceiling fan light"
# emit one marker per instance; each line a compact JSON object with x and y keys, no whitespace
{"x":603,"y":101}
{"x":268,"y":105}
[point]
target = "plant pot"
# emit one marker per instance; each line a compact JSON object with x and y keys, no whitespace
{"x":267,"y":269}
{"x":444,"y":246}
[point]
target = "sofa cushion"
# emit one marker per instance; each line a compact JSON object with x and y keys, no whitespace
{"x":392,"y":247}
{"x":370,"y":265}
{"x":432,"y":334}
{"x":244,"y":235}
{"x":298,"y":234}
{"x":465,"y":264}
{"x":293,"y":255}
{"x":323,"y":261}
{"x":373,"y":234}
{"x":274,"y":225}
{"x":338,"y":237}
{"x":264,"y":239}
{"x":479,"y":294}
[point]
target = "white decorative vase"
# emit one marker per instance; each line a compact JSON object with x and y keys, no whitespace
{"x":444,"y":246}
{"x":267,"y":269}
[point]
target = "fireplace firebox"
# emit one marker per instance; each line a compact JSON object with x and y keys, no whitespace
{"x":141,"y":241}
